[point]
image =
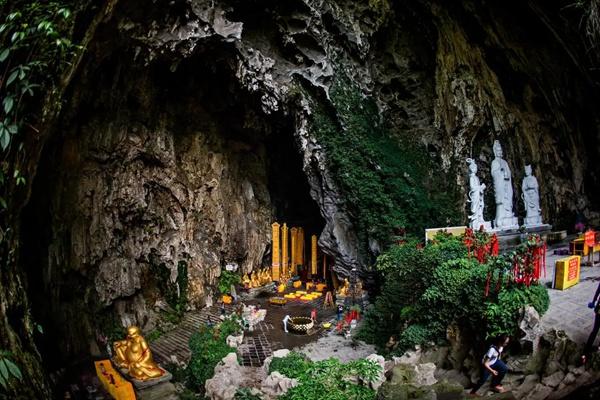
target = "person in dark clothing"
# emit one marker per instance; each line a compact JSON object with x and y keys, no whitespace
{"x":594,"y":304}
{"x":493,"y":365}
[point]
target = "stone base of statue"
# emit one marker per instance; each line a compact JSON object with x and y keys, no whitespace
{"x":509,"y":239}
{"x":476,"y":225}
{"x":252,"y":293}
{"x":139,"y":385}
{"x":533,"y":222}
{"x":506,"y":224}
{"x":540,"y":229}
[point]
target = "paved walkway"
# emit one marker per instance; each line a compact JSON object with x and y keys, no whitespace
{"x":568,"y":308}
{"x":267,"y":336}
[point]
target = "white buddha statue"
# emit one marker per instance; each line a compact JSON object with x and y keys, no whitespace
{"x":503,"y":191}
{"x":476,"y":189}
{"x":531,"y":198}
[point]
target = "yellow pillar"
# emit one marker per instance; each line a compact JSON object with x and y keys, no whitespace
{"x":284,"y":250}
{"x":294,"y":249}
{"x":313,"y":255}
{"x":275,"y":252}
{"x":300,"y":244}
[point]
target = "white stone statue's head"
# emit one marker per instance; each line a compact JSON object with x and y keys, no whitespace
{"x":472,"y":165}
{"x":497,"y":149}
{"x":528,"y":170}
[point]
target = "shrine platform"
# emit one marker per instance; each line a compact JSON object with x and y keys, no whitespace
{"x":268,"y":335}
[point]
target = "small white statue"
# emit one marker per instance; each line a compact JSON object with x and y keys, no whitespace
{"x":503,"y":191}
{"x":531,"y":198}
{"x":476,"y":189}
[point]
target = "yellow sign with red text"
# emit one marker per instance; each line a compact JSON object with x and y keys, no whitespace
{"x":566,"y":273}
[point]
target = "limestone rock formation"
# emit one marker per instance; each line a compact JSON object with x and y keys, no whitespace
{"x":185,"y":119}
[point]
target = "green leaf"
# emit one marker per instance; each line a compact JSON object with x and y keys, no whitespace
{"x":4,"y":54}
{"x":13,"y":369}
{"x":3,"y":382}
{"x":3,"y":203}
{"x":3,"y":369}
{"x":12,"y":77}
{"x":4,"y":138}
{"x":8,"y":103}
{"x":40,"y":329}
{"x":13,"y":128}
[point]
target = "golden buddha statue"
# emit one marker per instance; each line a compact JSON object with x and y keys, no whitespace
{"x":343,"y":290}
{"x":246,"y":281}
{"x":254,"y":281}
{"x":134,"y":355}
{"x":265,"y":277}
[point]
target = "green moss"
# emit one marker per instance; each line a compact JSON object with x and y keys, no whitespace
{"x":175,"y":293}
{"x":387,"y":182}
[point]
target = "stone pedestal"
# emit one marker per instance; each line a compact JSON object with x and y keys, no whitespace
{"x":506,"y":224}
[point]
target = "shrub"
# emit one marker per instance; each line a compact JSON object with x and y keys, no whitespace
{"x":412,"y":336}
{"x":407,"y":270}
{"x":208,"y":347}
{"x":293,"y":365}
{"x":426,"y":290}
{"x":327,"y":379}
{"x":502,"y":315}
{"x":227,"y":279}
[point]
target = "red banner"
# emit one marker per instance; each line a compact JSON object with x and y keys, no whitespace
{"x":573,"y":268}
{"x":590,"y":238}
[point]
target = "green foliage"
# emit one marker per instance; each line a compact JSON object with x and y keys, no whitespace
{"x":502,"y":315}
{"x":8,"y":369}
{"x":208,"y":347}
{"x":154,"y":335}
{"x":293,"y":365}
{"x":386,"y":181}
{"x":427,"y":290}
{"x":227,"y":279}
{"x":35,"y":48}
{"x":179,"y":373}
{"x":326,"y":380}
{"x":407,"y":270}
{"x":175,"y":293}
{"x":246,"y":394}
{"x":412,"y":336}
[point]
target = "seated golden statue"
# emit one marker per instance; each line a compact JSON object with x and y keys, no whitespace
{"x":134,"y":355}
{"x":343,"y":290}
{"x":254,"y":281}
{"x":266,"y":276}
{"x":246,"y":281}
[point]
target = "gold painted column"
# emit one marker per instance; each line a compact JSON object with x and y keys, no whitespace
{"x":293,"y":250}
{"x":275,"y":252}
{"x":313,"y":255}
{"x":284,"y":250}
{"x":300,"y":249}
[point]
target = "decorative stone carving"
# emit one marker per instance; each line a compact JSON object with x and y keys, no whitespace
{"x":476,"y":189}
{"x":531,"y":198}
{"x":503,"y":191}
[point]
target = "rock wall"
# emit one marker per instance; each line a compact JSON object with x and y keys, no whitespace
{"x":162,"y":151}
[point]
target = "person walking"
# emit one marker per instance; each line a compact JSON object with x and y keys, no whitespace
{"x":340,"y":312}
{"x":493,"y":365}
{"x":595,"y":305}
{"x":285,"y":321}
{"x":313,"y":315}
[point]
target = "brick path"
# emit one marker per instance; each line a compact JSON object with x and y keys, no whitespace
{"x":268,"y":335}
{"x":568,"y":308}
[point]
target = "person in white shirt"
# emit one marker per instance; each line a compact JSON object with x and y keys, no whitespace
{"x":285,"y":321}
{"x":493,"y":365}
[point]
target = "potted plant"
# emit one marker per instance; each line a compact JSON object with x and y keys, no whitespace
{"x":226,"y":280}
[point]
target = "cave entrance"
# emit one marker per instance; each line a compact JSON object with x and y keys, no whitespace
{"x":144,"y":156}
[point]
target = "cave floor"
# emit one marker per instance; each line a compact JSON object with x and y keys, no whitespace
{"x":568,"y":309}
{"x":268,"y":335}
